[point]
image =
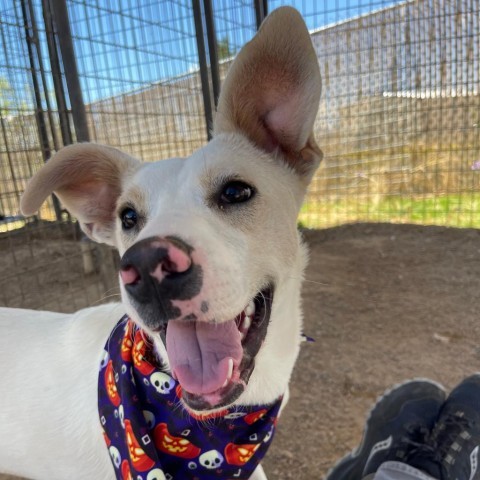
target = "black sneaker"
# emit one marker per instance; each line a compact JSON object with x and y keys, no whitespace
{"x":452,"y":451}
{"x":400,"y":418}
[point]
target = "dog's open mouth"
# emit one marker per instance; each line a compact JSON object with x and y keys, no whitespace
{"x":213,"y":362}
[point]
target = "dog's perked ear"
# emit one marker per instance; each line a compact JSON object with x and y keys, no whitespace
{"x":87,"y":178}
{"x":272,"y":91}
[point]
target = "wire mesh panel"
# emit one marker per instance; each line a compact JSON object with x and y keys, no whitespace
{"x":139,"y":74}
{"x":44,"y":261}
{"x":235,"y":25}
{"x":399,"y":118}
{"x":140,"y":80}
{"x":20,"y":150}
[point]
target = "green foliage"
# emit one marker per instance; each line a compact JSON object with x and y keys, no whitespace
{"x":6,"y":96}
{"x":223,"y":48}
{"x":455,"y":210}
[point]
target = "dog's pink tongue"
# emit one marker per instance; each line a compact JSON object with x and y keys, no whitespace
{"x":199,"y":353}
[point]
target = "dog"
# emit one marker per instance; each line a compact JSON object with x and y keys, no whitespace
{"x":210,"y":276}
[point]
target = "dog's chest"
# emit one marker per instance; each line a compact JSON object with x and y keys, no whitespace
{"x":150,"y":436}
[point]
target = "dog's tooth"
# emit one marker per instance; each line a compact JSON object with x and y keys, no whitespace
{"x":229,"y":373}
{"x":246,"y":324}
{"x":250,"y":309}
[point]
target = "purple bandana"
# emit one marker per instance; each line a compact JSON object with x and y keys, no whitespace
{"x":151,"y":436}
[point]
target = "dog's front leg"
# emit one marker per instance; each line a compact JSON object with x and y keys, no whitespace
{"x":259,"y":474}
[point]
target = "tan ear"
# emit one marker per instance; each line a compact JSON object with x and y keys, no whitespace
{"x":88,"y":179}
{"x":272,"y":91}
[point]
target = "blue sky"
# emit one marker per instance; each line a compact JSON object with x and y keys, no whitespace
{"x":125,"y":45}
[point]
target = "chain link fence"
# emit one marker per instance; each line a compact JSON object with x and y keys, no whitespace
{"x":398,"y":121}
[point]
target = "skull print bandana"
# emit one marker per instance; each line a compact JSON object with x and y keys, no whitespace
{"x":151,"y":436}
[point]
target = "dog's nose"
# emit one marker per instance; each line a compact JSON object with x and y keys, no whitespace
{"x":153,"y":261}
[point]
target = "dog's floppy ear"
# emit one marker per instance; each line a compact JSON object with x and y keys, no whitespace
{"x":88,"y":179}
{"x":272,"y":91}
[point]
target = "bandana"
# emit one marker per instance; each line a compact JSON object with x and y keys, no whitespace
{"x":151,"y":436}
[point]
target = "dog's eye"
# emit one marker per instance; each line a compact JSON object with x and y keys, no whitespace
{"x":236,"y":192}
{"x":129,"y":218}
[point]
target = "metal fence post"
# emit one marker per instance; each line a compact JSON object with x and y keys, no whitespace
{"x":212,"y":49}
{"x":32,"y":44}
{"x":202,"y":60}
{"x":60,"y":96}
{"x":62,"y":24}
{"x":261,"y":11}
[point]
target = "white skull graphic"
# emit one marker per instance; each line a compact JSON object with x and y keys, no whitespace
{"x":211,"y":459}
{"x":234,"y":415}
{"x":116,"y":458}
{"x":162,"y":382}
{"x":104,"y":359}
{"x":268,"y":436}
{"x":156,"y":474}
{"x":121,"y":415}
{"x":149,"y":418}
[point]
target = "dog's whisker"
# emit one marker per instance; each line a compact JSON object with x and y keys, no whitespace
{"x":306,"y":280}
{"x":106,"y":297}
{"x":315,"y":282}
{"x":177,"y":406}
{"x":265,"y":313}
{"x":120,"y":324}
{"x":147,"y":340}
{"x":113,"y":289}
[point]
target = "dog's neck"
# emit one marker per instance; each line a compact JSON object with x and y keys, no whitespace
{"x":145,"y":430}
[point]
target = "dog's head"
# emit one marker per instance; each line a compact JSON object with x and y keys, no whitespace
{"x":210,"y":256}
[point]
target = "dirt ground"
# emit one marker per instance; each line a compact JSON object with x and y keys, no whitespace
{"x":47,"y":266}
{"x":384,"y":303}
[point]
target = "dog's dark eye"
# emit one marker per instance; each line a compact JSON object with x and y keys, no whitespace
{"x":236,"y":192}
{"x":129,"y":218}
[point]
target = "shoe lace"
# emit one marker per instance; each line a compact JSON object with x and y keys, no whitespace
{"x":448,"y":431}
{"x":415,"y":438}
{"x":437,"y":443}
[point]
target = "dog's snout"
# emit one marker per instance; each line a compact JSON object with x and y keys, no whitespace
{"x":155,"y":261}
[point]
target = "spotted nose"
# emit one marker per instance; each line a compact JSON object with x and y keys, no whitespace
{"x":155,"y":262}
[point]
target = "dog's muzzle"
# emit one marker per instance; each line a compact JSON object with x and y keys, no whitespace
{"x":157,"y":270}
{"x":212,"y":360}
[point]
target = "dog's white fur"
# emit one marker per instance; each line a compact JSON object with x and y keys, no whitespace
{"x":49,"y":425}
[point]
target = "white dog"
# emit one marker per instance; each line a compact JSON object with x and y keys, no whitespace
{"x":211,"y":269}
